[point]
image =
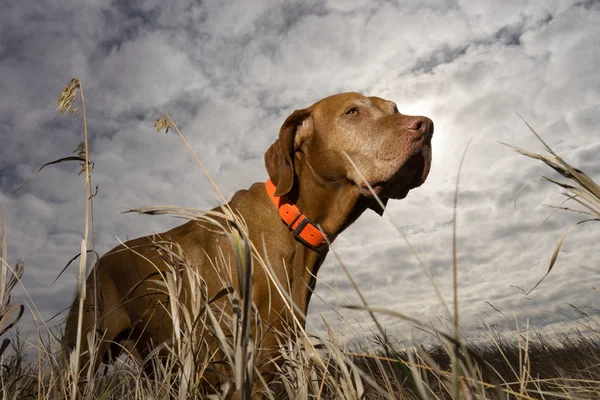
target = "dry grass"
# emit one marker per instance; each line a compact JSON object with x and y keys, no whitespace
{"x":578,"y":188}
{"x":524,"y":365}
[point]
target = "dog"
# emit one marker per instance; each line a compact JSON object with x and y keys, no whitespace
{"x":329,"y":164}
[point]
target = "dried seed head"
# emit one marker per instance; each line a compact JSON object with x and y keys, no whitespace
{"x":67,"y":97}
{"x":80,"y":151}
{"x":164,"y":121}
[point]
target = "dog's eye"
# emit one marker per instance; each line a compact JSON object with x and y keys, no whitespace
{"x":352,"y":111}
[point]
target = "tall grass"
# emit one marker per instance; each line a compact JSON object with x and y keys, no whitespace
{"x":220,"y":334}
{"x":578,"y":188}
{"x":10,"y":313}
{"x":65,"y":101}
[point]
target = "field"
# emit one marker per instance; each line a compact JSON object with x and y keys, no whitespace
{"x":523,"y":365}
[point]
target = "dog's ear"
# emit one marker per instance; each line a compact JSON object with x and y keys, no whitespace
{"x":376,"y":207}
{"x":279,"y":158}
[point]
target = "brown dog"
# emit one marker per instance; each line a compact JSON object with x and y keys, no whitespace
{"x":313,"y":185}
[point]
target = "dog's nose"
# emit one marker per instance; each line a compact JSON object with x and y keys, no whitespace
{"x":423,"y":124}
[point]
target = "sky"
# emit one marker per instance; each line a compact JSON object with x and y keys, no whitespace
{"x":230,"y":72}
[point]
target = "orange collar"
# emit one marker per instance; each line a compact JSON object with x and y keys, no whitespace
{"x":304,"y":230}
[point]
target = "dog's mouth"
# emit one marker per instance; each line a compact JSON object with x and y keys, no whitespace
{"x":410,"y":175}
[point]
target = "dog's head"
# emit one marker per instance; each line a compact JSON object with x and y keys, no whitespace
{"x":390,"y":151}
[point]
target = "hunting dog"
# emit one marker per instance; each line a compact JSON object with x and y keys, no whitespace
{"x":324,"y":169}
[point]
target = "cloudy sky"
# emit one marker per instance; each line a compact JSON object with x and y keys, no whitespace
{"x":230,"y":72}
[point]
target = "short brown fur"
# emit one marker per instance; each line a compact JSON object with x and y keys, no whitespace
{"x":307,"y":164}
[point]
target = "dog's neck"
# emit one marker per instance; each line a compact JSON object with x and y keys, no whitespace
{"x":333,"y":205}
{"x":303,"y":228}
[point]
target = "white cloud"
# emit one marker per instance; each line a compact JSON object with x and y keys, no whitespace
{"x":230,"y":73}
